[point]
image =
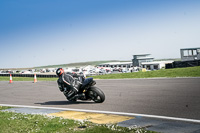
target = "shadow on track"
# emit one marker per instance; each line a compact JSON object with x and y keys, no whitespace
{"x":65,"y":102}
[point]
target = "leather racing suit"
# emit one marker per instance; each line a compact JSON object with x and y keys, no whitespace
{"x":70,"y":83}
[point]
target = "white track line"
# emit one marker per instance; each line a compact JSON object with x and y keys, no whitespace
{"x":107,"y":112}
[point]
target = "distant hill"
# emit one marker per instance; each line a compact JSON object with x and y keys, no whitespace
{"x":79,"y":64}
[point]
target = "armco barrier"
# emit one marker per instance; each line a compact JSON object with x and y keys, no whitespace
{"x":179,"y":64}
{"x":30,"y":75}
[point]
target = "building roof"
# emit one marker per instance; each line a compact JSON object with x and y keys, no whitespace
{"x":190,"y":48}
{"x":144,"y":58}
{"x":141,"y":54}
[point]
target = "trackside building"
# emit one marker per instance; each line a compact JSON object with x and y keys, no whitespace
{"x":155,"y":65}
{"x":139,"y":58}
{"x":188,"y":54}
{"x":146,"y":61}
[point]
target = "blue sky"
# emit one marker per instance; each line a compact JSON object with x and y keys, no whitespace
{"x":48,"y":32}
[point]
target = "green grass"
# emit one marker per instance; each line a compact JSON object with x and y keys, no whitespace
{"x":11,"y":122}
{"x":3,"y":107}
{"x":176,"y":72}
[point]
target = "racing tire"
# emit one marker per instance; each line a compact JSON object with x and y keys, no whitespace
{"x":96,"y":94}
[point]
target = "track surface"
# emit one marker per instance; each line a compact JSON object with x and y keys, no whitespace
{"x":173,"y":97}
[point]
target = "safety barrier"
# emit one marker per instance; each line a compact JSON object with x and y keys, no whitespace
{"x":179,"y":64}
{"x":30,"y":75}
{"x":43,"y":75}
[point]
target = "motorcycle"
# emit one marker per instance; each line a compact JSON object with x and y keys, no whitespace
{"x":88,"y":91}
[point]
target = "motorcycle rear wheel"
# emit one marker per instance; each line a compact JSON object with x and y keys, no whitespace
{"x":96,"y":94}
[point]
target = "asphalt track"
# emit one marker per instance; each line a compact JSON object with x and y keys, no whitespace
{"x":172,"y":97}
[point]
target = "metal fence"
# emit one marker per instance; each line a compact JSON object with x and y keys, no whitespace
{"x":178,"y":64}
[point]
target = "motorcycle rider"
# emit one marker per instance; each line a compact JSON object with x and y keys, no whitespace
{"x":70,"y":82}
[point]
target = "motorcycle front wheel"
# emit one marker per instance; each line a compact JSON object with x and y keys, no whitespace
{"x":96,"y":94}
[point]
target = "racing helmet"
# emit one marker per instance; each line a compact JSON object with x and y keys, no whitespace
{"x":59,"y":71}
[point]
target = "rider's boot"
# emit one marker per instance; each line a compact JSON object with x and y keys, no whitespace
{"x":77,"y":96}
{"x":80,"y":95}
{"x":71,"y":94}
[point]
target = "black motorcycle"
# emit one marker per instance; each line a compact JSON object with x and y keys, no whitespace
{"x":88,"y":91}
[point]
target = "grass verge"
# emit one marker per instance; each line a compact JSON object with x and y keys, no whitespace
{"x":176,"y":72}
{"x":11,"y":122}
